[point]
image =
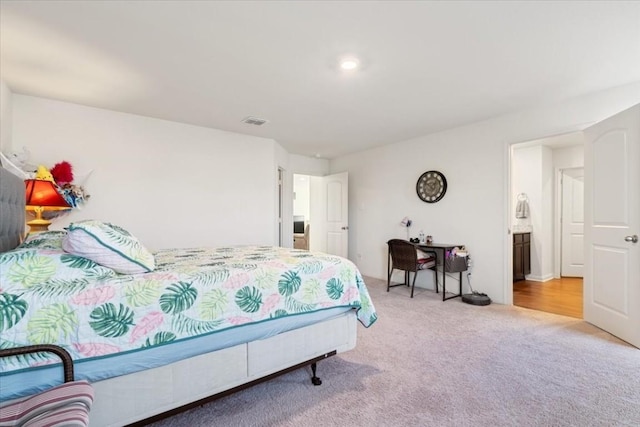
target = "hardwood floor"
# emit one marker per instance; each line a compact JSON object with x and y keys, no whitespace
{"x":559,"y":296}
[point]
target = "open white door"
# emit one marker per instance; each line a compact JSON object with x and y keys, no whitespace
{"x":612,"y":224}
{"x":572,"y":223}
{"x":336,"y":218}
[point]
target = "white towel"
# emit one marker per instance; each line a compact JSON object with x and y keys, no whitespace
{"x":522,"y":209}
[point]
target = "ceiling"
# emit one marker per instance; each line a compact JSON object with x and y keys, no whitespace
{"x":425,"y":66}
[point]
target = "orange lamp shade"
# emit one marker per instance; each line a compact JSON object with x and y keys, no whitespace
{"x":43,"y":193}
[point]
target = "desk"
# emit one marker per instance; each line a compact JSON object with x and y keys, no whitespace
{"x":440,"y":250}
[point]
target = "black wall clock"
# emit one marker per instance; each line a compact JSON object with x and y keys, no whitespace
{"x":431,"y":186}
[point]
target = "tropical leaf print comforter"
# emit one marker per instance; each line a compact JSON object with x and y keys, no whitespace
{"x":49,"y":296}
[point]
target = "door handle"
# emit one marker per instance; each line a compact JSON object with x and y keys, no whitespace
{"x":632,"y":239}
{"x":345,"y":228}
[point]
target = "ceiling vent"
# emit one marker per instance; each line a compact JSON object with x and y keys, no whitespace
{"x":255,"y":121}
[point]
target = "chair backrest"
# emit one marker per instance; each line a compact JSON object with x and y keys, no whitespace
{"x":403,"y":255}
{"x":66,"y":404}
{"x":67,"y":361}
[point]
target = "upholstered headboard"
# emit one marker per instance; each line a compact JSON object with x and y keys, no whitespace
{"x":12,"y":214}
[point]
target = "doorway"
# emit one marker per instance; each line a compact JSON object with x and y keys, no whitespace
{"x":280,"y":206}
{"x":321,"y":203}
{"x":301,"y":211}
{"x":553,"y":217}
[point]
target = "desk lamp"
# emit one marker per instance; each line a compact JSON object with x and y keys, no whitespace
{"x":42,"y":196}
{"x":406,"y":222}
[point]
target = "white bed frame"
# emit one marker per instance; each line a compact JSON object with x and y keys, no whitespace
{"x":150,"y":395}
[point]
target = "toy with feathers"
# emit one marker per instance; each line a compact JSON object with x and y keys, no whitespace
{"x":62,"y":173}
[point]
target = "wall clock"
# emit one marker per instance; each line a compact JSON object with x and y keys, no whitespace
{"x":431,"y":186}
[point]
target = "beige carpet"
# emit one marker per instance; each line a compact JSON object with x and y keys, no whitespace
{"x":433,"y":363}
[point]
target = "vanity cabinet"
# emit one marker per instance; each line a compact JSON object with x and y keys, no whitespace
{"x":521,"y":255}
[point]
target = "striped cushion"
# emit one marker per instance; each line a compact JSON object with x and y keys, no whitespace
{"x":71,"y":415}
{"x":67,"y":404}
{"x":427,"y":262}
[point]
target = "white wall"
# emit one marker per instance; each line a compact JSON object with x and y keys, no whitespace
{"x":308,"y":165}
{"x":170,"y":184}
{"x":5,"y":118}
{"x":382,"y":191}
{"x":545,"y":234}
{"x":568,"y":157}
{"x":526,"y":164}
{"x":474,"y":211}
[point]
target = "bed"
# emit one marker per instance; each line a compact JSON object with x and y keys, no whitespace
{"x":197,"y":324}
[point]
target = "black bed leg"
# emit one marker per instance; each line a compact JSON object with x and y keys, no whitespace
{"x":315,"y":380}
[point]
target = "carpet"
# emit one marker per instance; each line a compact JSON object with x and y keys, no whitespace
{"x":426,"y":362}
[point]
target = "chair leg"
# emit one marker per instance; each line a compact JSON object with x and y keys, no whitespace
{"x":413,"y":285}
{"x":389,"y":270}
{"x":435,"y":273}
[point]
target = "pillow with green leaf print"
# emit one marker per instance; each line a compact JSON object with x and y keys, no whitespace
{"x":108,"y":245}
{"x":48,"y":272}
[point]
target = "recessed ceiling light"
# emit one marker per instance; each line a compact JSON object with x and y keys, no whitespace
{"x":349,"y":64}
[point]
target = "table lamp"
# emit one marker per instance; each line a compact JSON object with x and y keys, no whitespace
{"x":42,"y":196}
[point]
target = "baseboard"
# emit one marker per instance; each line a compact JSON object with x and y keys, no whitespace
{"x":544,"y":278}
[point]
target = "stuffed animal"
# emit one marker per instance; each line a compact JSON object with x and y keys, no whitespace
{"x":43,"y":174}
{"x":17,"y":164}
{"x":62,"y":173}
{"x":75,"y":195}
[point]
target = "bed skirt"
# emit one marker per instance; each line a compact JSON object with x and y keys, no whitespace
{"x":142,"y":395}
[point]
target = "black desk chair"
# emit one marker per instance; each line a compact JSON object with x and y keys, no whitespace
{"x":403,"y":256}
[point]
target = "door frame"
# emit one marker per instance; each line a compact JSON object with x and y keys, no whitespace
{"x":280,"y":207}
{"x":506,"y":211}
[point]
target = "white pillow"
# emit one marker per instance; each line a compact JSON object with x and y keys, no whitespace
{"x":423,"y":255}
{"x":108,"y":245}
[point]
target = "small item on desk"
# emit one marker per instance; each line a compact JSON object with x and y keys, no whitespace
{"x":429,"y":239}
{"x":421,"y":237}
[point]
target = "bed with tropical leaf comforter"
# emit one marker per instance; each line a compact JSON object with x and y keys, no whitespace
{"x":49,"y":296}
